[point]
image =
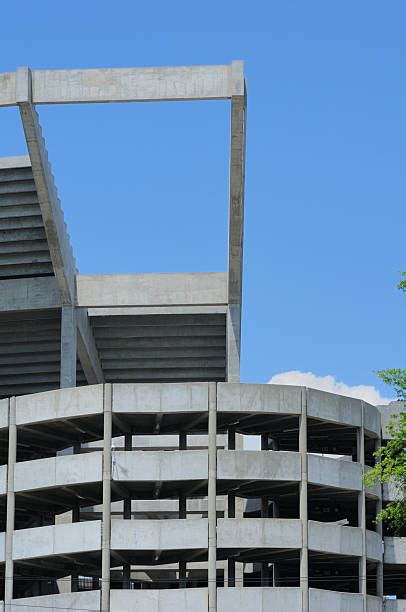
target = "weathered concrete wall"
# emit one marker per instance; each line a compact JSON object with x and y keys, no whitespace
{"x":259,"y":533}
{"x":335,"y":539}
{"x":395,"y":550}
{"x":333,"y":472}
{"x":157,"y":466}
{"x":181,"y":534}
{"x":332,"y":601}
{"x":256,"y":465}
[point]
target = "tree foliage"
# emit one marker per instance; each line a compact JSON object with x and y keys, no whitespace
{"x":390,"y":467}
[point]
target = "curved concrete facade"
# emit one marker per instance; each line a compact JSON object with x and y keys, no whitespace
{"x":126,"y":477}
{"x":274,"y":545}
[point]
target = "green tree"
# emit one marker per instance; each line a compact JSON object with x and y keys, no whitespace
{"x":390,"y":463}
{"x":390,"y":466}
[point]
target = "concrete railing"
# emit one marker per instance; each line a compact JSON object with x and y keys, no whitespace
{"x":56,"y":540}
{"x":58,"y":471}
{"x":259,"y":533}
{"x":336,"y":473}
{"x":334,"y":601}
{"x":158,"y":466}
{"x":395,"y":550}
{"x":257,"y":465}
{"x":335,"y":539}
{"x":176,"y":534}
{"x":374,"y":545}
{"x":259,"y":599}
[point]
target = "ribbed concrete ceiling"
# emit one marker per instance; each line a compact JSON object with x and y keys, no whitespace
{"x":24,"y":249}
{"x":161,"y":348}
{"x":30,"y":345}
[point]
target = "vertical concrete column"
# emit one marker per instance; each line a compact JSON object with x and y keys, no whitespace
{"x":128,"y":444}
{"x":182,"y":514}
{"x":68,"y":347}
{"x":231,"y":511}
{"x":379,"y":569}
{"x":12,"y":457}
{"x":233,"y":342}
{"x":212,"y":498}
{"x":362,"y":509}
{"x":106,"y":525}
{"x":74,"y":582}
{"x":304,"y":553}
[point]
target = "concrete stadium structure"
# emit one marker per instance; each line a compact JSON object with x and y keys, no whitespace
{"x":124,"y":482}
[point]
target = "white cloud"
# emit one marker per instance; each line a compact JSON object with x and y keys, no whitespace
{"x":368,"y":393}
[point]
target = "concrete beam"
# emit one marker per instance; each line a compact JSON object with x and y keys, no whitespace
{"x":40,"y":293}
{"x":68,"y":347}
{"x":20,"y":161}
{"x":58,"y":240}
{"x":155,"y":310}
{"x":120,"y":290}
{"x":236,"y":219}
{"x":87,"y":350}
{"x":237,"y":179}
{"x":122,"y":85}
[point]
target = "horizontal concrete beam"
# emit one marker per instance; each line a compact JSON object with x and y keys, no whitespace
{"x":160,"y":466}
{"x":258,"y":465}
{"x":249,"y":398}
{"x":259,"y":533}
{"x":132,"y":311}
{"x":257,"y":599}
{"x":124,"y":85}
{"x":118,"y":290}
{"x":9,"y":163}
{"x":151,"y":534}
{"x":335,"y":539}
{"x":58,"y":471}
{"x":40,"y":293}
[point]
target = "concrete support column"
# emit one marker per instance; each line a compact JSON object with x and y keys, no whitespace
{"x":182,"y":564}
{"x":233,"y":342}
{"x":182,"y":440}
{"x":231,"y":511}
{"x":12,"y":457}
{"x":128,"y":444}
{"x":106,"y":525}
{"x":68,"y":347}
{"x":264,"y":564}
{"x":362,"y":510}
{"x":74,"y":583}
{"x":212,"y":498}
{"x":304,"y":553}
{"x":379,"y":569}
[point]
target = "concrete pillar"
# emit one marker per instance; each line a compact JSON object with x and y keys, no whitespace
{"x":379,"y":568}
{"x":233,"y":342}
{"x":128,"y":443}
{"x":106,"y":526}
{"x":231,"y":511}
{"x":182,"y":564}
{"x":212,"y":498}
{"x":12,"y":457}
{"x":362,"y":509}
{"x":68,"y":347}
{"x":304,"y":553}
{"x":264,"y":564}
{"x":182,"y":440}
{"x":74,"y":582}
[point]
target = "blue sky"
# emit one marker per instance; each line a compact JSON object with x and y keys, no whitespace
{"x":144,"y":187}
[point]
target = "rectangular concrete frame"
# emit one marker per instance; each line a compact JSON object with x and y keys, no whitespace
{"x":25,"y":88}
